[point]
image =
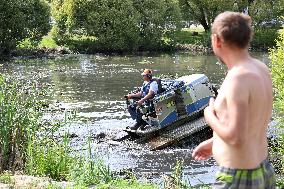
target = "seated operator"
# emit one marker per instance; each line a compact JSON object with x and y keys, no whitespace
{"x":148,"y":91}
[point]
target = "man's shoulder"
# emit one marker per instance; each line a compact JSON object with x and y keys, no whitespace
{"x":242,"y":80}
{"x":154,"y":82}
{"x":154,"y":85}
{"x":243,"y":73}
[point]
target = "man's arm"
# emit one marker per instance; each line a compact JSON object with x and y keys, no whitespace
{"x":134,"y":95}
{"x":150,"y":95}
{"x":153,"y":90}
{"x":237,"y":98}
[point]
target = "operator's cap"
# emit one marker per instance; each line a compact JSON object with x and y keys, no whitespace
{"x":147,"y":72}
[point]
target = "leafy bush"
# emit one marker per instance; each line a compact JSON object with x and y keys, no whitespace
{"x":264,"y":38}
{"x":5,"y":178}
{"x":277,"y":69}
{"x":120,"y":25}
{"x":20,"y":19}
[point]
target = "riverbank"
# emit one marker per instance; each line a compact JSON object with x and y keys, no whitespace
{"x":9,"y":181}
{"x":122,"y":180}
{"x":21,"y":181}
{"x":194,"y":40}
{"x":41,"y":52}
{"x":61,"y":51}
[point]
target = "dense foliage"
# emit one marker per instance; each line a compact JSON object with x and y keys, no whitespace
{"x":277,"y":69}
{"x":266,"y":14}
{"x":117,"y":25}
{"x":124,"y":25}
{"x":203,"y":12}
{"x":264,"y":39}
{"x":20,"y":19}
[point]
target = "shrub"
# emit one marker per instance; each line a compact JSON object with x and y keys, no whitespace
{"x":264,"y":39}
{"x":120,"y":25}
{"x":277,"y":70}
{"x":20,"y":19}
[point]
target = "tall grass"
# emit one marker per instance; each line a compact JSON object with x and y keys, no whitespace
{"x":48,"y":157}
{"x":26,"y":141}
{"x":19,"y":121}
{"x":90,"y":170}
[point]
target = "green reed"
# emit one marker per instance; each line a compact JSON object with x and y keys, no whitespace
{"x":48,"y":157}
{"x":91,"y":169}
{"x":19,"y":121}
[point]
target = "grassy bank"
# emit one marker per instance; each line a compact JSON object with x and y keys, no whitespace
{"x":193,"y":36}
{"x":263,"y":39}
{"x":193,"y":39}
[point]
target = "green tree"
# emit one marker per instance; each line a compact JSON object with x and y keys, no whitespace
{"x":61,"y":11}
{"x":113,"y":22}
{"x":21,"y":19}
{"x":158,"y":19}
{"x":266,"y":11}
{"x":118,"y":25}
{"x":204,"y":11}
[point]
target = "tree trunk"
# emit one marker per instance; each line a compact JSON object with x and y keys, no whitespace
{"x":204,"y":24}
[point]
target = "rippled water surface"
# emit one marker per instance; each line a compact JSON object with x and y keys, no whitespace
{"x":94,"y":85}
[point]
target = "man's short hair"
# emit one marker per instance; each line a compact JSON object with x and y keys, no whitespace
{"x":233,"y":28}
{"x":147,"y":72}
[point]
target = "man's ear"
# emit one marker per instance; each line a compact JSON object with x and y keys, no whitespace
{"x":216,"y":40}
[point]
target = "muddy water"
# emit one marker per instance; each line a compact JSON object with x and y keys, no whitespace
{"x":94,"y":85}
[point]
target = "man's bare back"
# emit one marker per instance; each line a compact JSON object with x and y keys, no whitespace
{"x":248,"y":85}
{"x":240,"y":114}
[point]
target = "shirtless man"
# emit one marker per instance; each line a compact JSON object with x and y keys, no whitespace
{"x":240,"y":114}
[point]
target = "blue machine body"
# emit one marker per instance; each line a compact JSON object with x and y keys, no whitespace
{"x":181,"y":98}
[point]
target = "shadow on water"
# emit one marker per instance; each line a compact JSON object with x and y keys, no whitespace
{"x":94,"y":86}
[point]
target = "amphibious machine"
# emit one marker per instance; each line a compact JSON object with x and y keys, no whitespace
{"x":178,"y":103}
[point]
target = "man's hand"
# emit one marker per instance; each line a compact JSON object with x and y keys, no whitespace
{"x":203,"y":151}
{"x":129,"y":96}
{"x":140,"y":102}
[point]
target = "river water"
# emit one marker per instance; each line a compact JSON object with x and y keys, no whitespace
{"x":94,"y":86}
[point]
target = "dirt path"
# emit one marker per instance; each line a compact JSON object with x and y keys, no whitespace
{"x":31,"y":182}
